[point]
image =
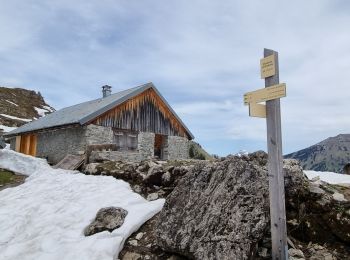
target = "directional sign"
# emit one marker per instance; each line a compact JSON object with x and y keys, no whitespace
{"x":267,"y":66}
{"x":272,"y":93}
{"x":257,"y":110}
{"x":265,"y":94}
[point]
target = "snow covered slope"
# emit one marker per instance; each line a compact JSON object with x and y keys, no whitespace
{"x":330,"y":177}
{"x":44,"y":218}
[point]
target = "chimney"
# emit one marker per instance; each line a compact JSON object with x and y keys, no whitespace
{"x":106,"y":90}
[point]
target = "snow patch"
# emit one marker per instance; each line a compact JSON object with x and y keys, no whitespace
{"x":49,"y":108}
{"x":17,"y":118}
{"x":7,"y":128}
{"x":242,"y":153}
{"x":330,"y":177}
{"x":44,"y":217}
{"x":11,"y":102}
{"x":41,"y":112}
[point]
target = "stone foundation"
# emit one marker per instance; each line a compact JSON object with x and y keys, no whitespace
{"x":177,"y":148}
{"x":100,"y":156}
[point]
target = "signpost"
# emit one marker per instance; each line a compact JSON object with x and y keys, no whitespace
{"x":271,"y":94}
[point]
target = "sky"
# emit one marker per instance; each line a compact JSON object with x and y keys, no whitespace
{"x":201,"y":55}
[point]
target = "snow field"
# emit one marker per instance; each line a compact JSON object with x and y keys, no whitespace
{"x":330,"y":177}
{"x":44,"y":218}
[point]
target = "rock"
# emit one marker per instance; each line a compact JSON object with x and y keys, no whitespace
{"x":263,"y":252}
{"x":166,"y":179}
{"x":107,"y":219}
{"x":152,"y":196}
{"x":139,"y":236}
{"x":143,"y":167}
{"x":175,"y":257}
{"x":133,"y":242}
{"x":219,"y":210}
{"x":296,"y":253}
{"x":338,"y":197}
{"x":316,"y":189}
{"x":316,"y":179}
{"x":91,"y":168}
{"x":132,"y":256}
{"x":151,"y":164}
{"x":137,"y":189}
{"x":154,"y":175}
{"x":260,"y":157}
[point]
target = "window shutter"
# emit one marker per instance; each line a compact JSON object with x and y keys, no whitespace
{"x":132,"y":142}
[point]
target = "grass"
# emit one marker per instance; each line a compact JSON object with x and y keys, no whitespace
{"x":6,"y":177}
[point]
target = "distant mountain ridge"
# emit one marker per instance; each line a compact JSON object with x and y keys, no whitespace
{"x":19,"y":106}
{"x":332,"y":154}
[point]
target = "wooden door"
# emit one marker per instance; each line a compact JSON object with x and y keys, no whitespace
{"x":159,"y":141}
{"x":28,"y":144}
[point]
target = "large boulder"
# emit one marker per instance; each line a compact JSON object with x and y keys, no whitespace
{"x":107,"y":219}
{"x":219,"y":210}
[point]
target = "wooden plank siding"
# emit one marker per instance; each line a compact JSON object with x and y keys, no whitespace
{"x":26,"y":144}
{"x":145,"y":112}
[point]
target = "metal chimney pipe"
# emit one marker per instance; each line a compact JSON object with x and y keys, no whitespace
{"x":106,"y":91}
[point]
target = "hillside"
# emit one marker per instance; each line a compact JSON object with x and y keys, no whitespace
{"x":19,"y":106}
{"x":330,"y":155}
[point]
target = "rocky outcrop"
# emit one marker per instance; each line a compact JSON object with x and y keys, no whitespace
{"x":218,"y":211}
{"x":107,"y":219}
{"x":319,"y":213}
{"x":19,"y":105}
{"x":147,"y":177}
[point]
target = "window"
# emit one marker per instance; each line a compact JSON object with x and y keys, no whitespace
{"x":125,"y":140}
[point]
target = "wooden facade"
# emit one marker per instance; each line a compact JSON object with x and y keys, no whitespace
{"x":145,"y":112}
{"x":26,"y":144}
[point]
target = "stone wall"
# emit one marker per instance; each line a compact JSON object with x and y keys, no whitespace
{"x":100,"y":156}
{"x":177,"y":148}
{"x":13,"y":143}
{"x":56,"y":144}
{"x":96,"y":134}
{"x":145,"y":144}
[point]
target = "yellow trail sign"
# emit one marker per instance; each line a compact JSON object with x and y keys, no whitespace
{"x":267,"y":66}
{"x":257,"y":110}
{"x":265,"y":94}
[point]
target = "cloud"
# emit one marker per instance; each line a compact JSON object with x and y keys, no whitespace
{"x":202,"y":55}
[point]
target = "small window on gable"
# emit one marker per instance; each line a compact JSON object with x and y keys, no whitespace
{"x":125,"y":140}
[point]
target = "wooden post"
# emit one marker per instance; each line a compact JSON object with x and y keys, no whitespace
{"x":276,"y":176}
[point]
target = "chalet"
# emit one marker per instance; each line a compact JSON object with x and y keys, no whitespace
{"x":134,"y":124}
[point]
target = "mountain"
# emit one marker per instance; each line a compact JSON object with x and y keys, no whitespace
{"x":19,"y":106}
{"x":196,"y":151}
{"x":331,"y":154}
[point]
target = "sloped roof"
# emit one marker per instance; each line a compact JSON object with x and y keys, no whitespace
{"x":85,"y":112}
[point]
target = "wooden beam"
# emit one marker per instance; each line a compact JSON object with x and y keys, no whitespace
{"x":276,"y":176}
{"x":18,"y":143}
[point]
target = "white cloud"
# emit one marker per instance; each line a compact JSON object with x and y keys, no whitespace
{"x":202,"y":55}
